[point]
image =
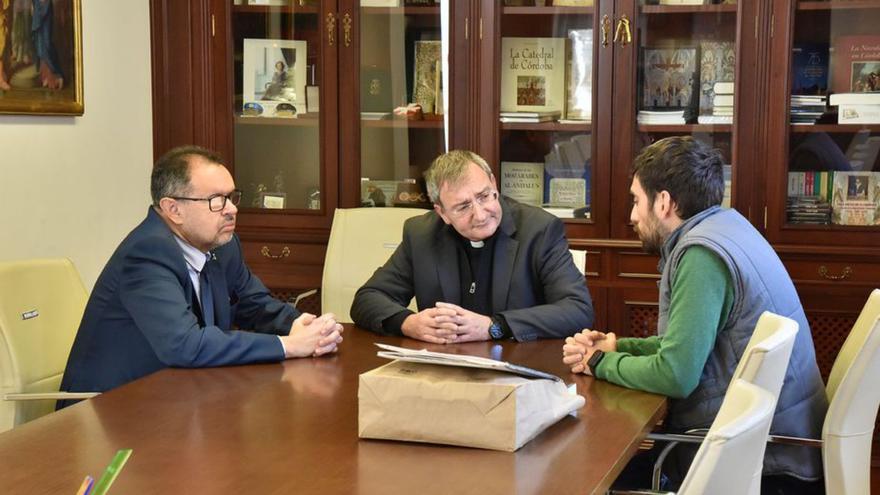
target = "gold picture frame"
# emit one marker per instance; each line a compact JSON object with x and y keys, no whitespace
{"x":41,"y":70}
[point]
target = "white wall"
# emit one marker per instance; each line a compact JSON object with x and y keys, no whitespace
{"x":74,"y":186}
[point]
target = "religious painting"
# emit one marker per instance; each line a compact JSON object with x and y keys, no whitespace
{"x":41,"y":57}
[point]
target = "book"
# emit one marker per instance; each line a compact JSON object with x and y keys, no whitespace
{"x":526,"y":120}
{"x":858,"y":114}
{"x":532,"y":74}
{"x":568,"y":192}
{"x":530,"y":114}
{"x":721,"y":101}
{"x":378,"y":192}
{"x":724,"y":87}
{"x":380,"y":3}
{"x":717,"y":65}
{"x":855,"y":63}
{"x":274,"y":76}
{"x":669,"y":79}
{"x":809,"y":68}
{"x":427,"y":54}
{"x":579,"y":91}
{"x":376,"y":89}
{"x":855,"y":198}
{"x":854,"y":99}
{"x":523,"y":181}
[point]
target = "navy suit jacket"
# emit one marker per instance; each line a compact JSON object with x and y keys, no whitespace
{"x":142,"y":315}
{"x":535,"y":285}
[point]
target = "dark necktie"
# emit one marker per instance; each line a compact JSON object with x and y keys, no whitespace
{"x":207,"y":297}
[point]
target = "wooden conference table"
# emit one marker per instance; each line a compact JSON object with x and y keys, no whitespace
{"x":292,"y":428}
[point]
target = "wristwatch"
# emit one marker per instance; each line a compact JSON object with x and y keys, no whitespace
{"x":495,"y":330}
{"x":594,"y":361}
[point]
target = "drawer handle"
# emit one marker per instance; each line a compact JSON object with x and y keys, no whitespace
{"x":823,"y":271}
{"x":285,"y":252}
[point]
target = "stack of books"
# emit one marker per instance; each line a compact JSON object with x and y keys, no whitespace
{"x":857,"y":108}
{"x":808,"y":209}
{"x":722,"y":105}
{"x":529,"y":117}
{"x":662,"y":117}
{"x":806,"y":109}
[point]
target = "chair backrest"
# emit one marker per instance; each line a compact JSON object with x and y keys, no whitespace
{"x":361,"y":240}
{"x":853,"y":397}
{"x":766,"y":356}
{"x":41,"y":304}
{"x":729,"y":459}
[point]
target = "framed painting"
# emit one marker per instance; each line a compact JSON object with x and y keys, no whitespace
{"x":41,"y":57}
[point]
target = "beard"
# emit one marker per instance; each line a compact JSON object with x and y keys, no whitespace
{"x":652,"y":235}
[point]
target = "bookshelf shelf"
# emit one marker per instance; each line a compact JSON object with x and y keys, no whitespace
{"x":432,"y":10}
{"x":685,"y":128}
{"x":688,"y":9}
{"x":834,"y":128}
{"x":402,"y":123}
{"x":549,"y":10}
{"x":847,"y":5}
{"x":266,"y":9}
{"x":276,"y":121}
{"x":546,"y":126}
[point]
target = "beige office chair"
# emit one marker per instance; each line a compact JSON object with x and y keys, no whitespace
{"x":361,"y":240}
{"x":763,"y":364}
{"x":41,"y":304}
{"x":732,"y":451}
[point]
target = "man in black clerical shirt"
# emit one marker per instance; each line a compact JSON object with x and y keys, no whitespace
{"x":480,"y":267}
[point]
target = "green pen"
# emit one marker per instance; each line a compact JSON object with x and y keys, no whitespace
{"x":111,"y":472}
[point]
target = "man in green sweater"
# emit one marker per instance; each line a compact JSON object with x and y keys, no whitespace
{"x":718,"y":275}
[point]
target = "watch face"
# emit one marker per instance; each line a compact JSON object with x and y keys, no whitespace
{"x":495,"y":331}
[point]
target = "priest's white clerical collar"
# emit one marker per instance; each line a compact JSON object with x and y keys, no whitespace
{"x":477,"y":244}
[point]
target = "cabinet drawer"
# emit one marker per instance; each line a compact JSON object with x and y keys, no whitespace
{"x":283,"y":265}
{"x":635,"y":264}
{"x":833,"y":271}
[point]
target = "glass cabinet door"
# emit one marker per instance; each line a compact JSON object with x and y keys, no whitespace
{"x":683,"y":83}
{"x":402,"y":104}
{"x":278,"y":69}
{"x":547,"y":114}
{"x":829,"y":108}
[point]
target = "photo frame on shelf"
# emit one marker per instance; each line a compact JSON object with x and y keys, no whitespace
{"x":274,"y":75}
{"x":41,"y":69}
{"x":273,"y":200}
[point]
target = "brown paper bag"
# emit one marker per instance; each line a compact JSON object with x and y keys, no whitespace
{"x":458,"y":406}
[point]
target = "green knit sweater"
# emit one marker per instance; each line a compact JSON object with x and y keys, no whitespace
{"x":702,"y":295}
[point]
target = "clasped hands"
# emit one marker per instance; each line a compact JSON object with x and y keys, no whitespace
{"x":446,"y":323}
{"x":581,"y":346}
{"x":312,"y":335}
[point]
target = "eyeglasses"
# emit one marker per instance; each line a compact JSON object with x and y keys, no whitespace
{"x":216,"y":202}
{"x":484,"y":198}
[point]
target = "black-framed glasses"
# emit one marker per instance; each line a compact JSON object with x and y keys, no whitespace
{"x":216,"y":202}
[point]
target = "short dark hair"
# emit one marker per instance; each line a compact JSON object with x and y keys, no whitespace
{"x":170,"y":175}
{"x":691,"y":171}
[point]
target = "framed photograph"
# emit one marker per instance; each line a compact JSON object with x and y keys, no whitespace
{"x":274,"y":76}
{"x":41,"y":57}
{"x":273,"y":200}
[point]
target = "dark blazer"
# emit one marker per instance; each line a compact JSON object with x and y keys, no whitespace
{"x":535,"y":284}
{"x":141,"y":317}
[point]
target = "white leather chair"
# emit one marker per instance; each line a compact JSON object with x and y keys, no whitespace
{"x":361,"y":240}
{"x":41,"y":304}
{"x":732,"y":451}
{"x":764,"y":362}
{"x":853,"y":396}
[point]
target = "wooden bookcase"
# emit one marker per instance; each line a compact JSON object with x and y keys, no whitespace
{"x":197,"y":86}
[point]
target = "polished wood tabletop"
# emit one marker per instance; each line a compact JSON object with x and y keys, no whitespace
{"x":291,"y":427}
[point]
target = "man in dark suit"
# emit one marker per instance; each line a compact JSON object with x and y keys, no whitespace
{"x":174,"y":288}
{"x":480,"y":267}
